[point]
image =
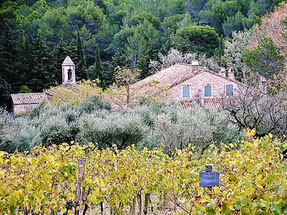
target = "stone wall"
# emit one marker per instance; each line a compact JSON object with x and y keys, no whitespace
{"x":22,"y":108}
{"x":197,"y":84}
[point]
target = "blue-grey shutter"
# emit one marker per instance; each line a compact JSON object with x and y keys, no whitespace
{"x":207,"y":91}
{"x":229,"y":90}
{"x":185,"y":92}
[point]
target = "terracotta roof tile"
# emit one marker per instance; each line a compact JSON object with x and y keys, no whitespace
{"x":177,"y":74}
{"x":28,"y":98}
{"x":172,"y":76}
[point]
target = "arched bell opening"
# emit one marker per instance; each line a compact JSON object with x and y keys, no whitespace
{"x":70,"y":78}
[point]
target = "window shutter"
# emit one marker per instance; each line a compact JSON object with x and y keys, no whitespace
{"x":185,"y":92}
{"x":229,"y":90}
{"x":207,"y":91}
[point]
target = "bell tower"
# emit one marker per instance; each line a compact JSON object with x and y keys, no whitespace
{"x":68,"y":72}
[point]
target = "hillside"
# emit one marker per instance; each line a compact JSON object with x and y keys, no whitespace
{"x":36,"y":36}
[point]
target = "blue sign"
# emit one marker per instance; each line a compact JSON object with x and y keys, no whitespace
{"x":209,"y":179}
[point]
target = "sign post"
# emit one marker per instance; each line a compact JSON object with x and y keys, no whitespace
{"x":208,"y":178}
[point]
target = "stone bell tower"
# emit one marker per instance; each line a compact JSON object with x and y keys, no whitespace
{"x":68,"y":71}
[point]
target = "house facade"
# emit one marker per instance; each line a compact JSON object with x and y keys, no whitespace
{"x":193,"y":83}
{"x":206,"y":87}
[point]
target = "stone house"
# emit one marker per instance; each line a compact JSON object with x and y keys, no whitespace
{"x":193,"y":83}
{"x":22,"y":102}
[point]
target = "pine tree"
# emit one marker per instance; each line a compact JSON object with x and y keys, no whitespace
{"x":81,"y":65}
{"x":119,"y":59}
{"x":144,"y":61}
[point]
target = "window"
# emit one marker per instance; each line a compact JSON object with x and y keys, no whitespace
{"x":69,"y":75}
{"x":229,"y":90}
{"x":186,"y":91}
{"x":207,"y":91}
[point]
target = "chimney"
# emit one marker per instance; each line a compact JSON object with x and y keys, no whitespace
{"x":231,"y":74}
{"x":195,"y":65}
{"x":222,"y":72}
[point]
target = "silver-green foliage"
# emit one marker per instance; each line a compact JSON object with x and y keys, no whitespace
{"x":145,"y":125}
{"x":233,"y":53}
{"x":174,"y":56}
{"x":196,"y":126}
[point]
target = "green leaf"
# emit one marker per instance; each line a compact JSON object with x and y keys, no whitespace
{"x":238,"y":205}
{"x":275,"y":209}
{"x":281,"y":189}
{"x":210,"y":211}
{"x":226,"y":209}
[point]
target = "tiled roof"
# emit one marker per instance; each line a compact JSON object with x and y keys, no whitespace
{"x":28,"y":98}
{"x":177,"y":74}
{"x":171,"y":76}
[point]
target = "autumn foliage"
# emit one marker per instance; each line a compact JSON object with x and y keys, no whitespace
{"x":273,"y":26}
{"x":75,"y":179}
{"x":75,"y":93}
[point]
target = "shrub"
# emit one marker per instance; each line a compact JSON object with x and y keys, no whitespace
{"x":93,"y":104}
{"x":148,"y":124}
{"x":114,"y":129}
{"x":197,"y":126}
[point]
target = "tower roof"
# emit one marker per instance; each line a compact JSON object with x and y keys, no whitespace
{"x":68,"y":62}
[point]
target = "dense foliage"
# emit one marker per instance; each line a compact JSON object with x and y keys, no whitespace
{"x":265,"y":59}
{"x":145,"y":125}
{"x":74,"y":179}
{"x":37,"y":35}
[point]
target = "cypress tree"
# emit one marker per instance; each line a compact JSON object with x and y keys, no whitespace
{"x":99,"y":68}
{"x":81,"y":65}
{"x":8,"y":59}
{"x":59,"y":54}
{"x":24,"y":63}
{"x":42,"y":75}
{"x":4,"y":92}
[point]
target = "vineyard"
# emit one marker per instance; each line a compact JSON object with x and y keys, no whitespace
{"x":74,"y":179}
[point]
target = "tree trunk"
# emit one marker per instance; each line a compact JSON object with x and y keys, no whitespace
{"x":165,"y":201}
{"x":102,"y":208}
{"x":128,"y":95}
{"x":140,"y":202}
{"x":85,"y":209}
{"x":133,"y":207}
{"x":112,"y":211}
{"x":146,"y":201}
{"x":79,"y":192}
{"x":91,"y":212}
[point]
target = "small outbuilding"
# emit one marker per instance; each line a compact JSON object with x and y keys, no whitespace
{"x":21,"y":102}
